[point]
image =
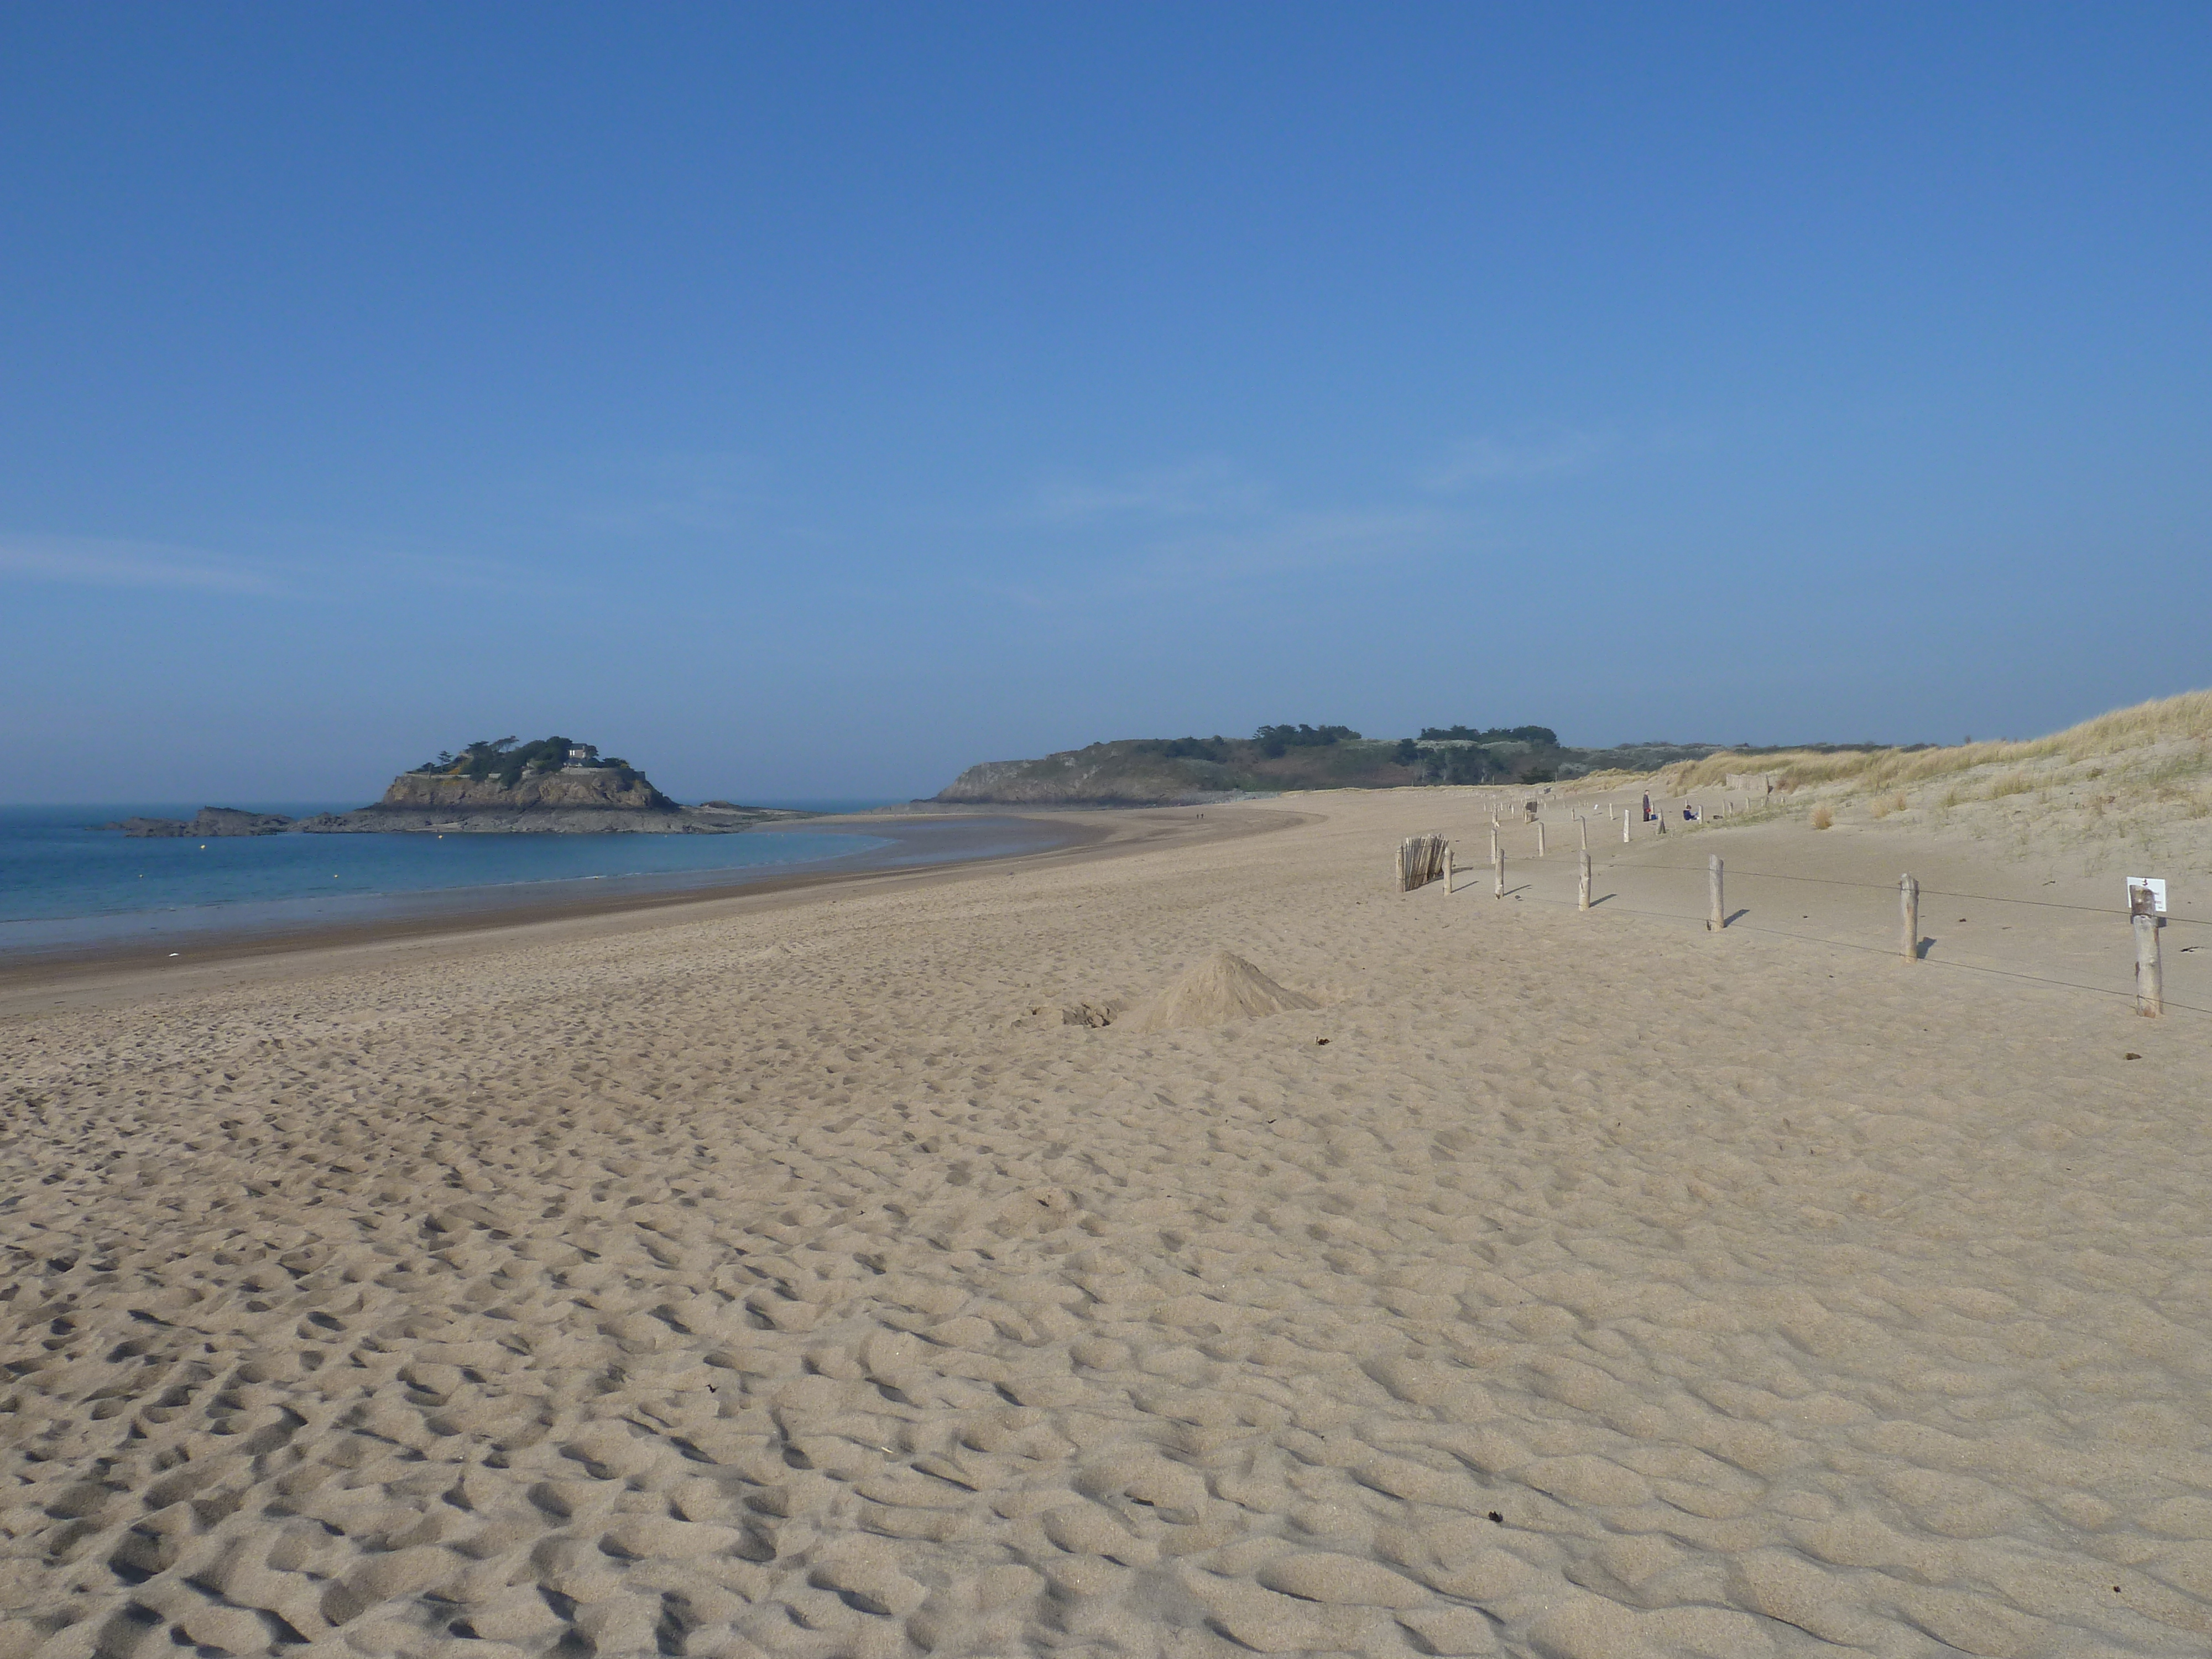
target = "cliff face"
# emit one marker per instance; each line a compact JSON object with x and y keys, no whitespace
{"x":590,"y":789}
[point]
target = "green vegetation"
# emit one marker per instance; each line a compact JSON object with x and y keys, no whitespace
{"x":1206,"y":749}
{"x":1272,"y":742}
{"x":1276,"y":741}
{"x":1459,"y":764}
{"x":510,"y":762}
{"x":1491,"y":754}
{"x":1539,"y":737}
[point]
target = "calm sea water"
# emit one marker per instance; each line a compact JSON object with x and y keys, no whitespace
{"x":63,"y":881}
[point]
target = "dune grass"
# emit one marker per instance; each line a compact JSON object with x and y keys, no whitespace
{"x":2136,"y":776}
{"x":2168,"y":721}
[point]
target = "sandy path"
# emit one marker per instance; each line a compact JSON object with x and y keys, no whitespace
{"x":780,"y":1283}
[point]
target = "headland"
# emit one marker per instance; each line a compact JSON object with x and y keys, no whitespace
{"x":1195,"y":771}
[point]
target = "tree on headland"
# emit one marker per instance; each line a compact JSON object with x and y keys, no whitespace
{"x":1206,"y":749}
{"x":1275,"y":741}
{"x":1541,"y":737}
{"x":1461,"y":765}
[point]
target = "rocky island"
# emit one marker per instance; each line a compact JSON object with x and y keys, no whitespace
{"x":494,"y":787}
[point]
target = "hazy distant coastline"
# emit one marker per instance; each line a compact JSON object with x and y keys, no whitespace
{"x":1195,"y":771}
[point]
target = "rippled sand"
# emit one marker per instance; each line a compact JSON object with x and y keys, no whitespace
{"x":813,"y":1279}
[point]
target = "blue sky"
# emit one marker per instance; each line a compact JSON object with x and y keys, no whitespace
{"x":810,"y":401}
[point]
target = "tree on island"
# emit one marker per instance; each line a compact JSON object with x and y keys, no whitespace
{"x":510,"y":760}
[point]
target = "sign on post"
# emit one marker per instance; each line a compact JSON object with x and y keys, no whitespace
{"x":2152,"y":886}
{"x":2146,"y":904}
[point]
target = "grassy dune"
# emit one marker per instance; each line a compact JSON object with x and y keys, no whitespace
{"x":2135,"y":779}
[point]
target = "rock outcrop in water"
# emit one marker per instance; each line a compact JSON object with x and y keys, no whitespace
{"x":208,"y":821}
{"x":484,"y":812}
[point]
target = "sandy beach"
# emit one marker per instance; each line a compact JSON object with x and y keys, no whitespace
{"x":875,"y":1270}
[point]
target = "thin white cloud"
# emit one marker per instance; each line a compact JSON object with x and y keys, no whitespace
{"x":1287,"y":541}
{"x":1494,"y":460}
{"x":1252,"y":547}
{"x":95,"y":561}
{"x":1205,"y":523}
{"x":700,"y":491}
{"x":1196,"y":489}
{"x":467,"y":572}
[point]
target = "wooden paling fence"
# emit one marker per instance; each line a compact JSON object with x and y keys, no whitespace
{"x":1422,"y":859}
{"x":1426,"y":858}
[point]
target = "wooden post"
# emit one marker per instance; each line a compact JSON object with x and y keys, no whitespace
{"x":1497,"y":868}
{"x":2150,"y":978}
{"x":1624,"y":826}
{"x":1540,"y":837}
{"x":1402,"y":884}
{"x":1448,"y":869}
{"x":1716,"y":912}
{"x":1908,"y":904}
{"x":1582,"y":884}
{"x":1493,"y":841}
{"x":1584,"y":823}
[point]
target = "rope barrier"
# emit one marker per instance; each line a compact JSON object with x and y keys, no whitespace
{"x":2155,"y":1005}
{"x":1873,"y":949}
{"x":1891,"y":887}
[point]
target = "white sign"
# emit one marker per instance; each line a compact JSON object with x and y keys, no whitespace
{"x":2156,"y":887}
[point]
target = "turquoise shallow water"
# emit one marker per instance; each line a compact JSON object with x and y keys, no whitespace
{"x":62,"y":879}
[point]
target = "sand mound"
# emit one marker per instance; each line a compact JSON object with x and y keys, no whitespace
{"x":1222,"y":987}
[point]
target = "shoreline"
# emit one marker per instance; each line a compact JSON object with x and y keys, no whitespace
{"x":62,"y":978}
